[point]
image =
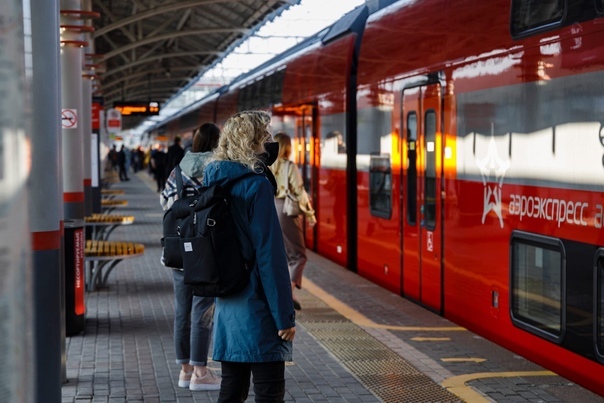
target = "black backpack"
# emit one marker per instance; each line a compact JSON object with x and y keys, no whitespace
{"x":213,"y":262}
{"x":173,"y":222}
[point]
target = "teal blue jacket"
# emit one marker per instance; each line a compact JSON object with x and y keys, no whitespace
{"x":246,"y":324}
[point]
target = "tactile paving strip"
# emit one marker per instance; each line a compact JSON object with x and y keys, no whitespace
{"x":380,"y":369}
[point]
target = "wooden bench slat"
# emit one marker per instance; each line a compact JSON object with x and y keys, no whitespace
{"x":107,"y":254}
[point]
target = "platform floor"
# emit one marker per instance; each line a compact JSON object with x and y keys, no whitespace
{"x":355,"y":341}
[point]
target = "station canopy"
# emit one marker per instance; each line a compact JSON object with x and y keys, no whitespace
{"x":151,"y":50}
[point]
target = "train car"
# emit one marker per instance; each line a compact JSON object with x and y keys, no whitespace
{"x":309,"y":92}
{"x":483,"y":192}
{"x":453,"y":151}
{"x":311,"y":95}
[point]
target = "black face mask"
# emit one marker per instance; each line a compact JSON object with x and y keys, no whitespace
{"x":271,"y":154}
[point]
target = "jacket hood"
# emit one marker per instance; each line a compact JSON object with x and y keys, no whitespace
{"x":222,"y":172}
{"x":193,"y":164}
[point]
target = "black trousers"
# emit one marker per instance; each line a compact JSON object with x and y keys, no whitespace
{"x":268,"y":377}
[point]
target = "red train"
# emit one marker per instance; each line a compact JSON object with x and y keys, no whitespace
{"x":454,"y":152}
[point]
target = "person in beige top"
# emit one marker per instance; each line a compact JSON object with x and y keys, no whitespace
{"x":289,"y":180}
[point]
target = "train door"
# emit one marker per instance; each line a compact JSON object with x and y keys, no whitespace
{"x":305,"y":145}
{"x":421,"y":196}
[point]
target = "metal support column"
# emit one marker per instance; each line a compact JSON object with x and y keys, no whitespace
{"x":17,"y":372}
{"x":89,"y":75}
{"x":87,"y":133}
{"x":72,"y":44}
{"x":46,"y":201}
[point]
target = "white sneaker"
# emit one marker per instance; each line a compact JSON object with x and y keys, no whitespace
{"x":184,"y":379}
{"x":207,"y":382}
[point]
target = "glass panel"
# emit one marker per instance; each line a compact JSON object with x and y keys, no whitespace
{"x":380,"y":186}
{"x":430,"y":175}
{"x":533,"y":14}
{"x":537,"y":288}
{"x":307,"y":174}
{"x":411,"y":168}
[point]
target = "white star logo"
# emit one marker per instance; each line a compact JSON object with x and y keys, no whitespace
{"x":492,"y":193}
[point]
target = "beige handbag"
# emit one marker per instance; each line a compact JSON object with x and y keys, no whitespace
{"x":291,"y":207}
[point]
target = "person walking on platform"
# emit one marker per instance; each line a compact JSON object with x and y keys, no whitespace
{"x":158,"y":166}
{"x":290,"y":182}
{"x":121,"y":164}
{"x":112,"y":157}
{"x":175,"y":155}
{"x":193,"y":315}
{"x":253,"y":329}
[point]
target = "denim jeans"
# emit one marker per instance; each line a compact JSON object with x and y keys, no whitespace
{"x":269,"y":381}
{"x":193,"y":321}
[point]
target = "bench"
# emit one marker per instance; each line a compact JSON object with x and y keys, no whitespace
{"x":102,"y":256}
{"x":110,"y":177}
{"x":109,"y":194}
{"x":110,"y":205}
{"x":103,"y":224}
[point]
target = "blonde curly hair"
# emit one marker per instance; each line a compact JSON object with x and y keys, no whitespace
{"x":242,"y":138}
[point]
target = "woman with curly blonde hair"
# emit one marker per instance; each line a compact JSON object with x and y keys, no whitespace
{"x":253,"y":329}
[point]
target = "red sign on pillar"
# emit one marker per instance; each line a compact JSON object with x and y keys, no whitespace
{"x":80,"y":281}
{"x":96,"y":115}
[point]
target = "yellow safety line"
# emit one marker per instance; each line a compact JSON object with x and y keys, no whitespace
{"x":430,"y":338}
{"x":468,"y":359}
{"x":361,"y":320}
{"x":457,"y":384}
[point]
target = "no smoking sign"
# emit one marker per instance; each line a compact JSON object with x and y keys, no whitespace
{"x":69,"y":118}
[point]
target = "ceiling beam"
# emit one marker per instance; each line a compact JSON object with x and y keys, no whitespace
{"x":163,"y":92}
{"x":177,"y":5}
{"x":159,"y":57}
{"x":171,"y":35}
{"x":154,"y":81}
{"x":144,"y":73}
{"x":106,"y":11}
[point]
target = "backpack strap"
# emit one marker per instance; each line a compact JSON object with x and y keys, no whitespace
{"x":178,"y":176}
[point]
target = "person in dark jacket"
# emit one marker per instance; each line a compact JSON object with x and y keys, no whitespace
{"x":174,"y":156}
{"x":193,"y":315}
{"x":253,"y":329}
{"x":121,"y":164}
{"x":158,"y":164}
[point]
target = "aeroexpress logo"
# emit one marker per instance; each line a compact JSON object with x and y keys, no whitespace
{"x":494,"y":167}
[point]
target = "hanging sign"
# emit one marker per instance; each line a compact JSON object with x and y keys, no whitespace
{"x":114,"y":121}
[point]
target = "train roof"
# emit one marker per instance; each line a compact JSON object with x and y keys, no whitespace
{"x":351,"y":22}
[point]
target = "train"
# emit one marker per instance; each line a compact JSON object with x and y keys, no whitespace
{"x":454,"y":153}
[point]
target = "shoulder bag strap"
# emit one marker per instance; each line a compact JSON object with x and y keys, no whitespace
{"x":286,"y":177}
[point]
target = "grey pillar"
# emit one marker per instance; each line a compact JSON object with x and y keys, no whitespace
{"x":17,"y":376}
{"x":72,"y":43}
{"x":87,"y":133}
{"x":46,"y":202}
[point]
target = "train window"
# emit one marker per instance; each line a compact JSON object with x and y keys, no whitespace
{"x":600,"y":305}
{"x":380,"y":186}
{"x":600,"y":6}
{"x":537,"y":285}
{"x":430,"y":173}
{"x":530,"y":16}
{"x":411,"y":168}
